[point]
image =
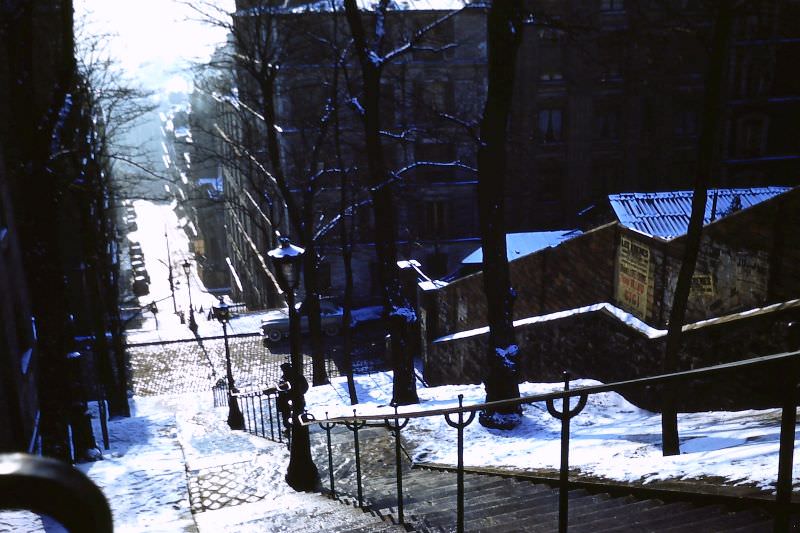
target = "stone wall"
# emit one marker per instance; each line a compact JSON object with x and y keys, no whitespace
{"x":600,"y":343}
{"x":578,"y":272}
{"x":747,"y":259}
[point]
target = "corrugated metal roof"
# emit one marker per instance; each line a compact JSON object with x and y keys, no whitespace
{"x":666,"y":214}
{"x":520,"y":244}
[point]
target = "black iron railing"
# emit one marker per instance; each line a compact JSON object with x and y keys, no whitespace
{"x":260,"y":407}
{"x":459,"y":417}
{"x":49,"y":487}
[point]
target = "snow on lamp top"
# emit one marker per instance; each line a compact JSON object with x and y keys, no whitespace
{"x":287,"y":260}
{"x":286,"y":250}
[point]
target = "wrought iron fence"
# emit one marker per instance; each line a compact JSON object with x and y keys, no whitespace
{"x":460,"y":417}
{"x":266,"y":423}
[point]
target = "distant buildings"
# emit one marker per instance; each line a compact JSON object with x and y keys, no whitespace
{"x":607,"y":100}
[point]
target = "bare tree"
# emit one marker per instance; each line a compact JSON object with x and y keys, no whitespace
{"x":397,"y":309}
{"x":262,"y":44}
{"x":707,"y":151}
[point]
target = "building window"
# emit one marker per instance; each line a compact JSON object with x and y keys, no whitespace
{"x":433,"y":151}
{"x":606,"y":178}
{"x":388,"y":104}
{"x":552,"y":74}
{"x":686,"y":123}
{"x":752,"y":77}
{"x":324,"y":276}
{"x":612,"y":5}
{"x":607,"y":124}
{"x":364,"y":220}
{"x":306,"y":103}
{"x":751,"y":136}
{"x":432,"y":98}
{"x":435,"y":221}
{"x":375,"y":277}
{"x":551,"y":125}
{"x":550,"y":176}
{"x":436,"y":44}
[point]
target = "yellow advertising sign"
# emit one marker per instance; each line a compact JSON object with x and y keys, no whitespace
{"x":633,"y":276}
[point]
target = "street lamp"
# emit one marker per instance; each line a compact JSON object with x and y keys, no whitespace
{"x":235,"y":419}
{"x":171,"y":278}
{"x":192,"y":324}
{"x":302,"y":472}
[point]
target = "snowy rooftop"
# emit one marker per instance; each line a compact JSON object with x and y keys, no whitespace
{"x":299,"y":6}
{"x":521,"y":244}
{"x":666,"y":214}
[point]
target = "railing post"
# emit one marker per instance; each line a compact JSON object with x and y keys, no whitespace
{"x":460,"y":425}
{"x":354,"y":427}
{"x":327,"y":426}
{"x":248,"y":424}
{"x":252,"y":401}
{"x":786,"y":451}
{"x":565,"y":415}
{"x":261,"y":414}
{"x":271,"y":422}
{"x":395,"y":428}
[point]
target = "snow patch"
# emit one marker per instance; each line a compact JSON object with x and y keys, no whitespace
{"x":508,"y":355}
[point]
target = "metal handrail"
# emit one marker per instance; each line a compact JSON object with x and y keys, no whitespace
{"x":51,"y":487}
{"x":580,"y":391}
{"x":787,"y":434}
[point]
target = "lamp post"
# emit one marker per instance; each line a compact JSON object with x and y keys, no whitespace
{"x":302,"y":472}
{"x":192,"y":324}
{"x":171,"y":278}
{"x":235,"y":419}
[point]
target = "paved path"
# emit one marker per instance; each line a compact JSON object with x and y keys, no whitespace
{"x":232,"y":481}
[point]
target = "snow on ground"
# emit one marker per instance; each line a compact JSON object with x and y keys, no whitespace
{"x":144,"y":473}
{"x":157,"y":224}
{"x":610,"y":438}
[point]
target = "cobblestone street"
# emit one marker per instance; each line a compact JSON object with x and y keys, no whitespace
{"x":219,"y":482}
{"x":194,"y":365}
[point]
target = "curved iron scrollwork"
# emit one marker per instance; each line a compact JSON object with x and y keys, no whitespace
{"x":460,"y":425}
{"x":565,"y":415}
{"x":328,"y":426}
{"x":56,"y":489}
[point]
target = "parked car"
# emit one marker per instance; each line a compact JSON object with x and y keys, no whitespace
{"x":275,"y":326}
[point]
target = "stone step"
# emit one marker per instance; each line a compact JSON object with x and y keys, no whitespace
{"x":721,"y":521}
{"x":384,"y":492}
{"x":448,"y":501}
{"x":648,"y":518}
{"x":611,"y":516}
{"x":515,"y":510}
{"x":502,"y":504}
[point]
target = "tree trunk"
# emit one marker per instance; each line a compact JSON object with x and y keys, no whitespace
{"x":712,"y":105}
{"x":504,"y":28}
{"x":396,"y":309}
{"x":347,"y":249}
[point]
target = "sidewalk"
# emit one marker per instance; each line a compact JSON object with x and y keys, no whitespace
{"x":175,"y":466}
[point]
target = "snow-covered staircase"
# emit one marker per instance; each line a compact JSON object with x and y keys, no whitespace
{"x":501,"y":504}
